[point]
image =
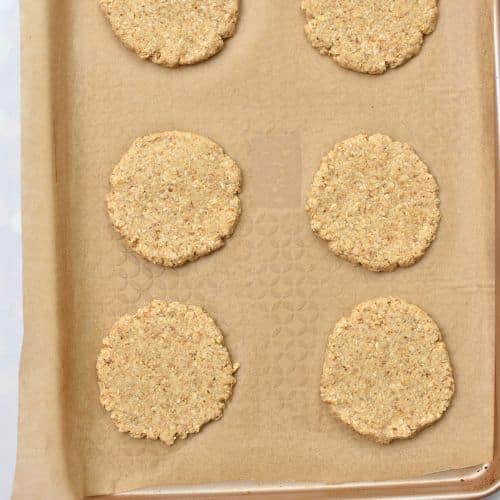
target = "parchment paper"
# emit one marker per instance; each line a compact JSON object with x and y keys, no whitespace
{"x":276,"y":106}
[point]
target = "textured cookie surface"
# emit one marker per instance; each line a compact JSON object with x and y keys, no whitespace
{"x":172,"y":32}
{"x":387,"y":372}
{"x":375,"y":202}
{"x":174,"y":197}
{"x":164,"y":371}
{"x":369,"y":36}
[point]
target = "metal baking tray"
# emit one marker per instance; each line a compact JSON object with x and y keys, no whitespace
{"x":43,"y":436}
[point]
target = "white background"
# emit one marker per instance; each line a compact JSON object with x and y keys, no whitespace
{"x":10,"y":241}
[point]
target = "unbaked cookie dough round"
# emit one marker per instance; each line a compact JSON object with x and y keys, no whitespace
{"x":387,"y":373}
{"x":164,"y":371}
{"x":369,"y":36}
{"x":375,"y":202}
{"x":174,"y":197}
{"x":172,"y":32}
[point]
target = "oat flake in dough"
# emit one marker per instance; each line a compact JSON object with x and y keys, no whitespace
{"x":369,"y":36}
{"x":174,"y":197}
{"x":387,"y":373}
{"x":164,"y":371}
{"x":375,"y":202}
{"x":172,"y":32}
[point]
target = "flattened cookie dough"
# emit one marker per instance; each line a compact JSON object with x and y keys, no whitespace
{"x":369,"y":36}
{"x":174,"y":197}
{"x":387,"y":373}
{"x":164,"y":371}
{"x":172,"y":32}
{"x":375,"y":202}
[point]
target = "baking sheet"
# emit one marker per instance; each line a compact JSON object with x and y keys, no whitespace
{"x":276,"y":106}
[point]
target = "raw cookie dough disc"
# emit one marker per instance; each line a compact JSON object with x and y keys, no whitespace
{"x":172,"y":32}
{"x":387,"y":373}
{"x":164,"y":371}
{"x":369,"y":36}
{"x":174,"y":197}
{"x":375,"y":202}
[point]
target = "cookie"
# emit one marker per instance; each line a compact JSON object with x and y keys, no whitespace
{"x":174,"y":197}
{"x":375,"y":202}
{"x":369,"y":36}
{"x":164,"y":371}
{"x":172,"y":32}
{"x":387,"y":373}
